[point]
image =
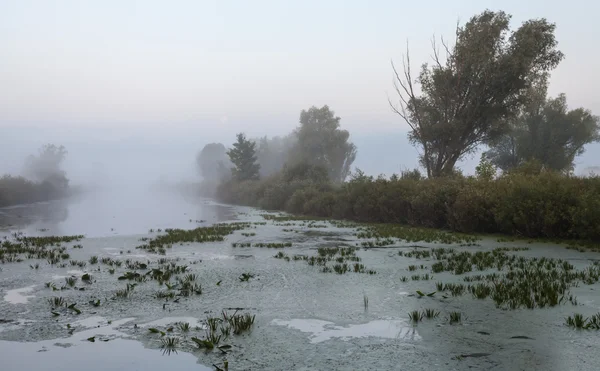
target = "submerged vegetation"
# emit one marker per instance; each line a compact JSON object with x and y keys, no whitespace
{"x":50,"y":248}
{"x":215,"y":233}
{"x":581,"y":323}
{"x":517,"y":281}
{"x":341,"y":260}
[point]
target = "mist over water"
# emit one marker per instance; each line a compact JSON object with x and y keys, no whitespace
{"x":110,"y":211}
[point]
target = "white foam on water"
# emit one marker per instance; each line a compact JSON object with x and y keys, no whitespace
{"x":16,"y":296}
{"x":324,"y":330}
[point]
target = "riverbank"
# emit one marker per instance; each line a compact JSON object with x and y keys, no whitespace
{"x":17,"y":190}
{"x":545,"y":205}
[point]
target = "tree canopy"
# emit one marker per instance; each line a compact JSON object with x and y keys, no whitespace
{"x":545,"y":131}
{"x":321,"y":142}
{"x":273,"y":153}
{"x":243,"y":157}
{"x":46,"y":166}
{"x":466,"y":98}
{"x":212,"y":162}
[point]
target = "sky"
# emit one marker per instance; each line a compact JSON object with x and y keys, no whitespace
{"x":117,"y":69}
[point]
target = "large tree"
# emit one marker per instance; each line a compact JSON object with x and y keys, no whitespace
{"x":545,"y":131}
{"x":212,"y":162}
{"x":465,"y":99}
{"x":273,"y":153}
{"x":321,"y":142}
{"x":243,"y":157}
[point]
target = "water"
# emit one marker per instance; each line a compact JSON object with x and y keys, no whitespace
{"x":18,"y":296}
{"x":106,"y":212}
{"x":305,"y":319}
{"x":76,"y":353}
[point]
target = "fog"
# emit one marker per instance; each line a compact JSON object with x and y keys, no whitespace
{"x":141,"y":159}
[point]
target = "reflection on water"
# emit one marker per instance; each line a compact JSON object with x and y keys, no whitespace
{"x":17,"y":296}
{"x":109,"y":351}
{"x":105,"y":212}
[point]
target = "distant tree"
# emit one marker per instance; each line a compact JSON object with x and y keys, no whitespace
{"x":321,"y":142}
{"x":46,"y":166}
{"x":485,"y":170}
{"x":591,"y":171}
{"x":546,"y":131}
{"x":466,"y":99}
{"x":243,"y":157}
{"x":413,"y":174}
{"x":212,"y":162}
{"x":273,"y":153}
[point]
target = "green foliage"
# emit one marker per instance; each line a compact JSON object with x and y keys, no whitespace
{"x":19,"y":190}
{"x":485,"y":170}
{"x":546,"y":205}
{"x":321,"y":142}
{"x":464,"y":98}
{"x":273,"y":153}
{"x":545,"y":131}
{"x":243,"y":157}
{"x":44,"y":179}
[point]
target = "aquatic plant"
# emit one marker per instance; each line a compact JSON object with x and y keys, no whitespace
{"x":164,"y":295}
{"x":430,"y":313}
{"x":245,"y":277}
{"x":93,"y":260}
{"x":73,"y":308}
{"x":71,"y":281}
{"x":415,"y":316}
{"x":206,"y":343}
{"x":57,"y":302}
{"x":239,"y":323}
{"x":366,"y":301}
{"x":215,"y":233}
{"x":169,"y":345}
{"x":183,"y":326}
{"x":126,"y":292}
{"x":577,"y":321}
{"x":455,"y":317}
{"x":87,"y":278}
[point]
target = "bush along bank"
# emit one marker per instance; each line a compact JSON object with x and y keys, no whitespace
{"x":544,"y":205}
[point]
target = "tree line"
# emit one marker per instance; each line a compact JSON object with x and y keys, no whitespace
{"x":43,"y":178}
{"x":318,"y":141}
{"x":486,"y":91}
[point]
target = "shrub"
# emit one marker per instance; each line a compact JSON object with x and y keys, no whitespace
{"x":526,"y":203}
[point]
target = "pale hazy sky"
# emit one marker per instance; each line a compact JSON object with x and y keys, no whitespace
{"x":249,"y":65}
